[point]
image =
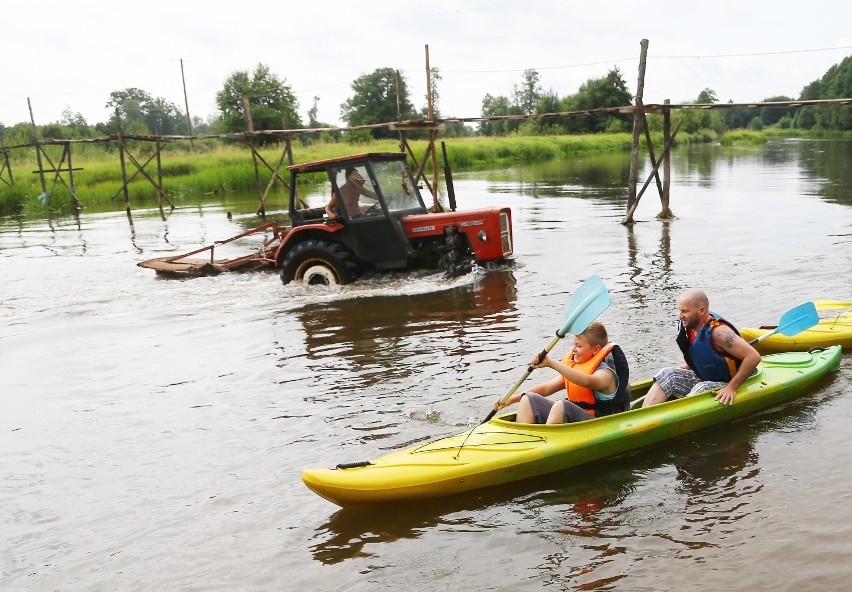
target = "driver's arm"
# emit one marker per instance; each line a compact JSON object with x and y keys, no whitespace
{"x":329,"y":207}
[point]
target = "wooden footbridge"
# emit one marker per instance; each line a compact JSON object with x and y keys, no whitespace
{"x":427,"y":169}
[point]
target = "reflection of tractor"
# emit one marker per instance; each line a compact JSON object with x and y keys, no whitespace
{"x":380,"y":222}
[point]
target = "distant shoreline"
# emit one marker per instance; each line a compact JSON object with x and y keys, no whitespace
{"x":214,"y":168}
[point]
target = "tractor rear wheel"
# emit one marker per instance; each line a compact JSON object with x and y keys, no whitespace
{"x":319,"y":262}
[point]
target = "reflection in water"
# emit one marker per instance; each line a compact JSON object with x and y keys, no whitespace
{"x":658,"y":271}
{"x":828,"y":169}
{"x":601,"y":521}
{"x":349,"y":531}
{"x":720,"y":467}
{"x":595,"y":176}
{"x":579,"y":495}
{"x":380,"y":331}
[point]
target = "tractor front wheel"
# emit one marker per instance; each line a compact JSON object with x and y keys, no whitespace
{"x":319,"y":262}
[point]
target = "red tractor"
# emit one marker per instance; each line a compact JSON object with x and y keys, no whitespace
{"x":376,"y":220}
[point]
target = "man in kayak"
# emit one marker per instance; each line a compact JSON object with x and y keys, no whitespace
{"x":589,"y":377}
{"x":715,"y":354}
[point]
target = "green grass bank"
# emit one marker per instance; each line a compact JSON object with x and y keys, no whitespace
{"x":216,"y":168}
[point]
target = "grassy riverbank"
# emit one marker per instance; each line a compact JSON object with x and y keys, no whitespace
{"x":216,"y":168}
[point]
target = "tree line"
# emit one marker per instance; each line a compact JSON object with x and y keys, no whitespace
{"x":383,"y":95}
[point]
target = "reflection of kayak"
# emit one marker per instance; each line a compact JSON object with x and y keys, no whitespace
{"x":834,"y":327}
{"x":501,"y":450}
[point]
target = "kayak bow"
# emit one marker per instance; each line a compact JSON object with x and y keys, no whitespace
{"x":833,"y":328}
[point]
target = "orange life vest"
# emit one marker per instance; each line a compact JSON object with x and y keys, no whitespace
{"x":580,"y":395}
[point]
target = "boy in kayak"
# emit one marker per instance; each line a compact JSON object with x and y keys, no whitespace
{"x":589,"y":377}
{"x":715,"y":354}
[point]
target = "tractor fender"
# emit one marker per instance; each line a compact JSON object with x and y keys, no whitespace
{"x":300,"y":234}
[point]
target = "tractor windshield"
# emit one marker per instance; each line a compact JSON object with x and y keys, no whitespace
{"x":397,"y":186}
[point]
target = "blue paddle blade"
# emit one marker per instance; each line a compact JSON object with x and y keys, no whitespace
{"x":798,"y":319}
{"x":584,"y":306}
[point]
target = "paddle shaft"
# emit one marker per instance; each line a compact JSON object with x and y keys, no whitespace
{"x":518,"y":384}
{"x":585,"y":305}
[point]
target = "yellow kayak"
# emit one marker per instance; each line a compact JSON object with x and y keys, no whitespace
{"x":834,"y":328}
{"x":501,"y":450}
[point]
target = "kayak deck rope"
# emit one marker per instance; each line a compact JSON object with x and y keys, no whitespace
{"x":456,"y":457}
{"x":354,"y":465}
{"x":523,"y":439}
{"x":474,"y":428}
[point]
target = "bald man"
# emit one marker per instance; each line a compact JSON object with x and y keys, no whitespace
{"x":715,"y":355}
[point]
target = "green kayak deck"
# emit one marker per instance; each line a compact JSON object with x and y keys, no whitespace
{"x":501,"y":451}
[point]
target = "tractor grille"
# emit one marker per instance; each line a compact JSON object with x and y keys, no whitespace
{"x":505,"y":234}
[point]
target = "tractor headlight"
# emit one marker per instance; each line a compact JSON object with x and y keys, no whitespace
{"x":505,"y":233}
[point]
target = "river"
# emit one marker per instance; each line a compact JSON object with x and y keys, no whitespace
{"x":153,"y":431}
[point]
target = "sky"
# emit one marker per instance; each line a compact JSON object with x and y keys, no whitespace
{"x":72,"y":55}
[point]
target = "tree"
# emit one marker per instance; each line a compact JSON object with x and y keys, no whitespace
{"x":375,"y":101}
{"x":273,"y":104}
{"x":145,"y":114}
{"x":526,"y":97}
{"x":734,"y":118}
{"x":434,"y":79}
{"x":312,"y":114}
{"x":598,"y":93}
{"x":496,"y":106}
{"x":549,"y":102}
{"x":314,"y":123}
{"x":74,"y":125}
{"x":836,"y":83}
{"x":772,"y":116}
{"x":708,"y":95}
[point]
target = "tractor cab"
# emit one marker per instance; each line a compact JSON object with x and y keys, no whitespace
{"x":370,"y":194}
{"x":374,"y":218}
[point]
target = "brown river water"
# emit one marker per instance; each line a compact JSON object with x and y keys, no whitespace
{"x":153,"y":431}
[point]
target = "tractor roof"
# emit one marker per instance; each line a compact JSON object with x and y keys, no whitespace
{"x":321,"y":165}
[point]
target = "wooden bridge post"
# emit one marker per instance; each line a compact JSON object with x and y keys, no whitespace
{"x":120,"y":142}
{"x":6,"y":165}
{"x":665,"y":212}
{"x":160,"y":170}
{"x":185,"y":102}
{"x":433,"y":134}
{"x":637,"y":125}
{"x":37,"y":145}
{"x":77,"y":205}
{"x":261,"y":210}
{"x":403,"y":142}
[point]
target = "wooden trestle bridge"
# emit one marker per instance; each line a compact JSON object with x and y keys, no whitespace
{"x":427,"y":168}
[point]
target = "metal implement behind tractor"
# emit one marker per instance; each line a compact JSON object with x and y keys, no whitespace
{"x":375,"y":220}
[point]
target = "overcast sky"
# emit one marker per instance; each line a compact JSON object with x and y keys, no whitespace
{"x":73,"y":54}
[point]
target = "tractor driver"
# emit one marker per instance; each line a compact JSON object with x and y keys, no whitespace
{"x":351,"y":191}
